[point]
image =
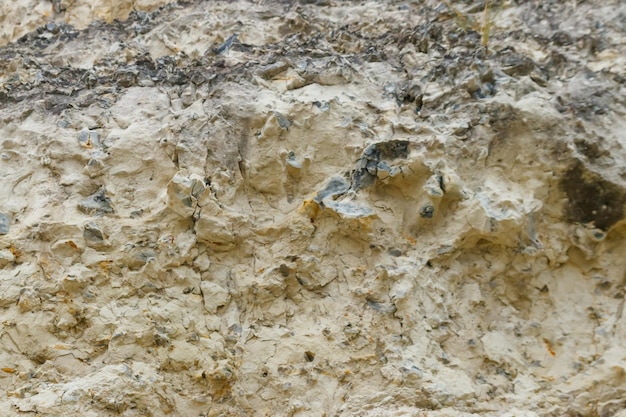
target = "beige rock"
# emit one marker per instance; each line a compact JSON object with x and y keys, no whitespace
{"x":215,"y":232}
{"x":214,"y":296}
{"x":6,"y":257}
{"x":311,"y":208}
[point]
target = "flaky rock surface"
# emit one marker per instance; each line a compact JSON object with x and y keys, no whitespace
{"x":312,"y":208}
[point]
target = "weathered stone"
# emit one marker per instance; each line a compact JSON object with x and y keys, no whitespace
{"x":215,"y":232}
{"x":312,"y":207}
{"x":6,"y":257}
{"x":88,"y":139}
{"x":183,"y":193}
{"x":94,"y":235}
{"x":4,"y":224}
{"x":214,"y":295}
{"x":96,"y":204}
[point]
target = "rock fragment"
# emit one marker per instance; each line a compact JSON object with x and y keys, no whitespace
{"x":214,"y":296}
{"x":215,"y":231}
{"x":4,"y":224}
{"x":6,"y":257}
{"x":93,"y":234}
{"x":370,"y":115}
{"x":271,"y":70}
{"x":381,"y":307}
{"x":184,"y":192}
{"x":224,"y":47}
{"x":373,"y":160}
{"x":88,"y":139}
{"x":336,"y":186}
{"x":275,"y":126}
{"x":96,"y":204}
{"x":294,"y":167}
{"x":427,"y":211}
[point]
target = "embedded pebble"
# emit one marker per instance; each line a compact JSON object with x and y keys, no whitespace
{"x":96,"y":204}
{"x":88,"y":139}
{"x":4,"y":224}
{"x":335,"y":187}
{"x":92,"y":232}
{"x":6,"y":257}
{"x":312,"y":207}
{"x":427,"y":211}
{"x":271,"y":70}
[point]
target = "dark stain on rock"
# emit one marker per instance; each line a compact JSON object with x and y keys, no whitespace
{"x":592,"y":199}
{"x":591,"y":149}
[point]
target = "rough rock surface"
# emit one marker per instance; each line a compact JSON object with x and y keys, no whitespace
{"x":312,"y":208}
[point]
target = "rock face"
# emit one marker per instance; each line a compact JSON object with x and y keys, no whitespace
{"x":313,"y":208}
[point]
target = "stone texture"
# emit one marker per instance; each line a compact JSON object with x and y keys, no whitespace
{"x":309,"y":208}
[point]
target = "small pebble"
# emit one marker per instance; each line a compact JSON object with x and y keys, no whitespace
{"x":283,"y":121}
{"x":4,"y":224}
{"x":92,"y":232}
{"x":427,"y":212}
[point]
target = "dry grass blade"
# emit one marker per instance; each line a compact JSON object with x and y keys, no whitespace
{"x":486,"y":24}
{"x":466,"y":22}
{"x":463,"y":21}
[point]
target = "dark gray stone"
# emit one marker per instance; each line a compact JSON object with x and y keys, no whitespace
{"x":335,"y":187}
{"x":96,"y":204}
{"x":427,"y":212}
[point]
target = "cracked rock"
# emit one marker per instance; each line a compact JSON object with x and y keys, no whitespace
{"x":214,"y":296}
{"x":184,"y":193}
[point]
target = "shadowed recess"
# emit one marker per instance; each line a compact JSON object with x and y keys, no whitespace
{"x":592,"y":199}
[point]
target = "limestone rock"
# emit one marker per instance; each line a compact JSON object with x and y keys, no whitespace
{"x":312,"y":207}
{"x":183,"y":193}
{"x":6,"y":257}
{"x":214,"y":296}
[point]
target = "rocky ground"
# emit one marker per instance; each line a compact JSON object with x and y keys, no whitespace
{"x":312,"y":208}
